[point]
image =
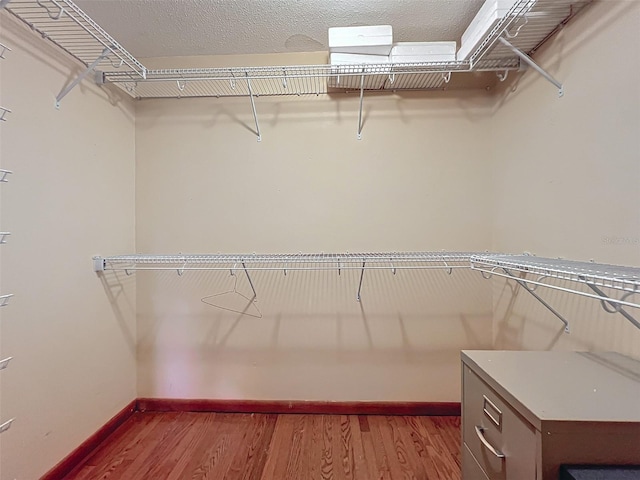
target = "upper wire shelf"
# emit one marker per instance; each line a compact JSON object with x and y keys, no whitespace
{"x":287,"y":262}
{"x":65,"y":24}
{"x":527,"y":25}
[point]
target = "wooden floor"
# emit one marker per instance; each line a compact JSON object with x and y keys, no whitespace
{"x":221,"y":446}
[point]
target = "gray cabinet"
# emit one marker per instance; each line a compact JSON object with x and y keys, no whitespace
{"x":526,"y":413}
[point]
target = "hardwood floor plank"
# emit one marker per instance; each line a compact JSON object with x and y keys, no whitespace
{"x":361,"y":469}
{"x":385,"y":447}
{"x":343,"y":455}
{"x":165,"y":438}
{"x":217,"y":458}
{"x":295,"y":460}
{"x":249,"y":461}
{"x":278,"y":457}
{"x":207,"y":446}
{"x":421,"y":439}
{"x":443,"y":459}
{"x":112,"y":462}
{"x":311,"y":447}
{"x":326,"y":460}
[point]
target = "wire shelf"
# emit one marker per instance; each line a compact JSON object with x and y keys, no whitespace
{"x":527,"y":26}
{"x":288,"y":262}
{"x":65,"y":24}
{"x":616,"y":277}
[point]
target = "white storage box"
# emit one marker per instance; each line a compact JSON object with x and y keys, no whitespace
{"x":419,"y":52}
{"x":344,"y":63}
{"x":372,"y":40}
{"x":489,"y":15}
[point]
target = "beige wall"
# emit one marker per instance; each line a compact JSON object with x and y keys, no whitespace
{"x":567,"y":177}
{"x":205,"y":185}
{"x":71,"y":196}
{"x":519,"y":171}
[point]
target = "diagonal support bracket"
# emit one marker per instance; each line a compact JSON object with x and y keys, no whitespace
{"x":526,"y":58}
{"x":246,"y":272}
{"x":360,"y":284}
{"x":615,"y":308}
{"x":253,"y":109}
{"x":523,"y":284}
{"x":360,"y":115}
{"x":72,"y":85}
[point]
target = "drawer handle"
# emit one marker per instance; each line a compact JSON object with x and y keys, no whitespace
{"x":480,"y":433}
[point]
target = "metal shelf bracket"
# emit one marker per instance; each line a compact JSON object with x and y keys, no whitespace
{"x":5,"y":363}
{"x":4,"y":174}
{"x":253,"y":107}
{"x":255,"y":295}
{"x":3,"y":49}
{"x":6,"y":425}
{"x":358,"y":297}
{"x":3,"y":237}
{"x":3,"y":112}
{"x":4,"y":299}
{"x":360,"y":116}
{"x":90,"y":68}
{"x":526,"y":58}
{"x":612,"y":306}
{"x":530,"y":290}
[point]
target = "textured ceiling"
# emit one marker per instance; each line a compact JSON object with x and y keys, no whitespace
{"x":158,"y":28}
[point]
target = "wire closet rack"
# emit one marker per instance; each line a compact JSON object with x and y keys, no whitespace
{"x":528,"y":271}
{"x":528,"y":24}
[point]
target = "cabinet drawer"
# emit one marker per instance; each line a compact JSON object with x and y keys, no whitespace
{"x":502,"y":442}
{"x":470,"y":468}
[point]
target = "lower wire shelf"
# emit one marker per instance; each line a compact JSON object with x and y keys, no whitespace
{"x":528,"y":271}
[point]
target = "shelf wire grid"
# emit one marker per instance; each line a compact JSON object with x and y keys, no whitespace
{"x":283,"y":80}
{"x":615,"y":277}
{"x":391,"y":261}
{"x":66,"y":25}
{"x":294,"y":79}
{"x":527,"y":26}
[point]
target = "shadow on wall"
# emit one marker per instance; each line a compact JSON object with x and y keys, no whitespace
{"x":597,"y":17}
{"x":308,"y":324}
{"x":120,"y":291}
{"x":407,"y":107}
{"x":522,"y":322}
